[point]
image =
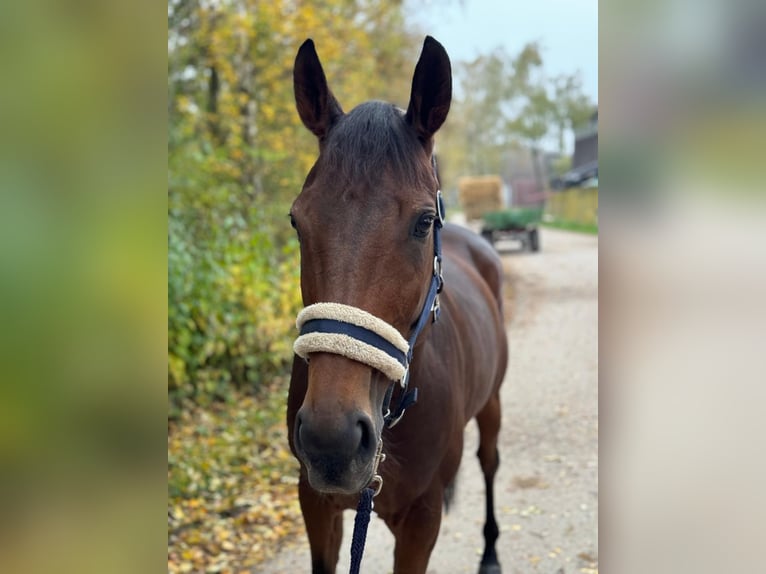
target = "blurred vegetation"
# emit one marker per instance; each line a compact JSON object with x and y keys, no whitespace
{"x":573,"y":208}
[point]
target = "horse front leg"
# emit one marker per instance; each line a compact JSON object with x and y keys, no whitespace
{"x":416,"y":533}
{"x":488,"y":421}
{"x":324,"y":526}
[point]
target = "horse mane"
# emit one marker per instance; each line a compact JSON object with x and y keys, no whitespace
{"x":373,"y":140}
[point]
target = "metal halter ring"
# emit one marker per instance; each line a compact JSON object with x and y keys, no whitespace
{"x":377,"y":481}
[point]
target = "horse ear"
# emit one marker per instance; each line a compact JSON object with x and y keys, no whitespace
{"x":431,"y":91}
{"x":317,"y":107}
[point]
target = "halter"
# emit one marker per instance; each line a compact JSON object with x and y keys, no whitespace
{"x":360,"y":336}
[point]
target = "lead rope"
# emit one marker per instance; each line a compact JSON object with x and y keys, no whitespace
{"x":363,"y":511}
{"x":362,"y":519}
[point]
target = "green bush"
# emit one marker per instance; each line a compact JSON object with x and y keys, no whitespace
{"x":230,"y":310}
{"x":233,"y":283}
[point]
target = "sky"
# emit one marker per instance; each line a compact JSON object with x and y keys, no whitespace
{"x":567,"y":30}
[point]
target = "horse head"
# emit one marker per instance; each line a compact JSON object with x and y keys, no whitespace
{"x":365,"y":220}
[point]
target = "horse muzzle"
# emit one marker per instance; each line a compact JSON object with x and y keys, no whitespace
{"x":338,"y":453}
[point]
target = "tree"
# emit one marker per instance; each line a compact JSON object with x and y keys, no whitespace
{"x":505,"y":101}
{"x":570,"y":108}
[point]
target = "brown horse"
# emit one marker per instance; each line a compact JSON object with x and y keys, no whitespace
{"x":367,"y":219}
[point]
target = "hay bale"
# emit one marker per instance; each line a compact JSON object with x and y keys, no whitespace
{"x":480,"y":195}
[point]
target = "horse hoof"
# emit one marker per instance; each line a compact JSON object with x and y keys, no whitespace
{"x":490,"y":569}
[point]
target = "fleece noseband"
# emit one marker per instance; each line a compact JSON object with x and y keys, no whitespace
{"x":360,"y":336}
{"x":353,"y":333}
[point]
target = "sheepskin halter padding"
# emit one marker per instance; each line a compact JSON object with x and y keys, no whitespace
{"x":363,"y":338}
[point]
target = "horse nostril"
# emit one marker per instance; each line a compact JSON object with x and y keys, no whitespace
{"x":298,"y":431}
{"x":367,"y":438}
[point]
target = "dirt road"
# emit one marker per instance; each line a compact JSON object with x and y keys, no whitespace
{"x":547,"y":486}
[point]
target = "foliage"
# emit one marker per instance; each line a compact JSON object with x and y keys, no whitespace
{"x":561,"y":165}
{"x":570,"y":108}
{"x":231,"y":486}
{"x":230,"y":304}
{"x":573,"y":206}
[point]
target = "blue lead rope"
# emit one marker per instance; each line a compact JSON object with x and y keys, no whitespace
{"x":361,"y":521}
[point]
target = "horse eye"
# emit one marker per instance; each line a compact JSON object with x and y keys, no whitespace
{"x":295,"y":226}
{"x":424,"y":224}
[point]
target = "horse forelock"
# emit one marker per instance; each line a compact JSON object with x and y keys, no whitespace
{"x":374,"y":142}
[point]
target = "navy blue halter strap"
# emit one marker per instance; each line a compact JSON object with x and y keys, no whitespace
{"x":356,"y":332}
{"x":409,"y":397}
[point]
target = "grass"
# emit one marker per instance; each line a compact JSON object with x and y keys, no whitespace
{"x":589,"y":228}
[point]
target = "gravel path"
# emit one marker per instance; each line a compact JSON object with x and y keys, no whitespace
{"x":547,"y":485}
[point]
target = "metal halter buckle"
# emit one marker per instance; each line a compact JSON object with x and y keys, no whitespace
{"x":405,"y":377}
{"x":438,"y":273}
{"x":437,"y":266}
{"x":376,"y":479}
